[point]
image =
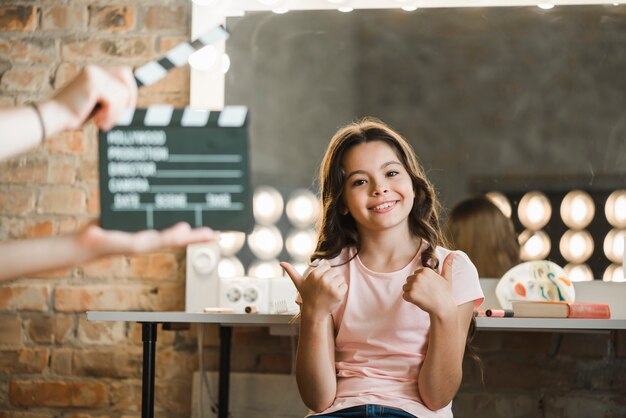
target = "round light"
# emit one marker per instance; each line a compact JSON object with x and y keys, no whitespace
{"x":545,"y":6}
{"x":225,"y":63}
{"x":267,"y":205}
{"x":535,"y":245}
{"x":268,"y":2}
{"x":614,"y":273}
{"x":534,"y":210}
{"x":409,"y":8}
{"x":267,"y":269}
{"x":615,"y":209}
{"x":204,"y":2}
{"x":230,"y":267}
{"x":578,"y":272}
{"x":303,"y":208}
{"x":345,"y":9}
{"x":265,"y":242}
{"x":300,"y":244}
{"x":614,"y":245}
{"x":231,"y":242}
{"x":280,"y":11}
{"x":501,"y":201}
{"x":576,"y":246}
{"x":577,"y":209}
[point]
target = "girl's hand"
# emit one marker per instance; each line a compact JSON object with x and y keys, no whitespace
{"x":431,"y":292}
{"x":321,"y":289}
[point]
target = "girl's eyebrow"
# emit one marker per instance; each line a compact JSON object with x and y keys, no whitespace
{"x":384,"y":165}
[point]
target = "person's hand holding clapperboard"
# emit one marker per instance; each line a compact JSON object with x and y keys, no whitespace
{"x":104,"y":95}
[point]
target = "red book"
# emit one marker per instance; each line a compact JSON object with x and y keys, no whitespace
{"x":537,"y":309}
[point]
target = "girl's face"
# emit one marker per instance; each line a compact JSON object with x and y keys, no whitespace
{"x":378,"y":191}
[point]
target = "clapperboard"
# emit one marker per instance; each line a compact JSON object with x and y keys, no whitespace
{"x":163,"y":165}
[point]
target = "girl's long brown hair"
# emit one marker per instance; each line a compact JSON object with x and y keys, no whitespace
{"x":477,"y":227}
{"x":338,"y":230}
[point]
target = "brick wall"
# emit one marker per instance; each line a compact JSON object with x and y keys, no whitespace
{"x":55,"y":363}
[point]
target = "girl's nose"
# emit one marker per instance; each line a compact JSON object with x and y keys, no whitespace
{"x":380,"y":189}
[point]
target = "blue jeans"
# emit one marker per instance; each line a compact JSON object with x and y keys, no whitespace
{"x":363,"y":411}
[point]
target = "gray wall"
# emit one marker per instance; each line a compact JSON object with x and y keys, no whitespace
{"x":519,"y":93}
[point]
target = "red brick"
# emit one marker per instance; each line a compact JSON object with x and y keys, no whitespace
{"x":28,"y":51}
{"x":58,"y":393}
{"x":18,"y":18}
{"x":24,"y":78}
{"x":620,"y":343}
{"x":126,"y":297}
{"x":274,"y":363}
{"x":14,"y":201}
{"x":112,"y":18}
{"x":38,"y":229}
{"x":93,"y":200}
{"x":529,"y":372}
{"x":161,"y":266}
{"x":50,"y":329}
{"x":67,"y":142}
{"x":119,"y":50}
{"x":172,"y":399}
{"x":107,"y":268}
{"x":27,"y":360}
{"x":65,"y":72}
{"x":61,"y":361}
{"x":11,"y":329}
{"x":176,"y":364}
{"x":101,"y":332}
{"x":62,"y":170}
{"x":108,"y":363}
{"x":24,"y":298}
{"x":72,"y":17}
{"x":87,"y":170}
{"x":25,"y":170}
{"x":163,"y":18}
{"x":61,"y":201}
{"x":125,"y":396}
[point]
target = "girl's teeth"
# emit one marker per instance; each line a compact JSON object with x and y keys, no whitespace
{"x":384,"y":206}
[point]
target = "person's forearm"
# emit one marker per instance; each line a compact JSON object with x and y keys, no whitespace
{"x":441,"y":371}
{"x":28,"y":257}
{"x":21,"y":130}
{"x":315,"y":363}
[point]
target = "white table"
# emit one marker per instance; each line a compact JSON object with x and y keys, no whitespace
{"x":149,"y":321}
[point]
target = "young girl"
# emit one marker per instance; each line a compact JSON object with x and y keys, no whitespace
{"x":385,"y":310}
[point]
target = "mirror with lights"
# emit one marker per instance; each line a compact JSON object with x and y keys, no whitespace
{"x":494,"y":99}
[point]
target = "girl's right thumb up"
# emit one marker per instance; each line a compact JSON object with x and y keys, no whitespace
{"x":293,"y":274}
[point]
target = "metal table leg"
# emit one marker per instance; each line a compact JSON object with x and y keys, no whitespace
{"x":149,"y":337}
{"x":224,"y":377}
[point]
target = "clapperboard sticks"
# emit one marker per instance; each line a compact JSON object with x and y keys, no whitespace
{"x":178,"y":56}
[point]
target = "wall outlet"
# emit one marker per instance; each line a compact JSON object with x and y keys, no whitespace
{"x":239,"y":293}
{"x":202,"y":282}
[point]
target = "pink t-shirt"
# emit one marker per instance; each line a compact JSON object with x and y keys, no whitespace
{"x":381,"y":339}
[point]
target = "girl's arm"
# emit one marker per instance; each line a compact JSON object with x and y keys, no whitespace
{"x":321,"y":289}
{"x":27,"y":257}
{"x":441,"y":372}
{"x":315,"y":361}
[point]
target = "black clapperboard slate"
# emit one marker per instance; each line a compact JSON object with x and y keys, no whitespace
{"x":164,"y":165}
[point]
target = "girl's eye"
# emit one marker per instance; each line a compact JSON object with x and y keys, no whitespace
{"x":392,"y":173}
{"x":358,"y":182}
